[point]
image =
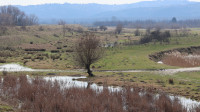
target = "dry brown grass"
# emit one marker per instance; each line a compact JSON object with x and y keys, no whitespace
{"x":181,"y":60}
{"x":39,"y":95}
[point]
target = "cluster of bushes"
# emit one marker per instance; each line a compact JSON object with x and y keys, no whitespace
{"x":5,"y":54}
{"x":156,"y":36}
{"x":39,"y":95}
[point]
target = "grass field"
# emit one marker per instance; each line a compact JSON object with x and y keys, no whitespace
{"x":117,"y":58}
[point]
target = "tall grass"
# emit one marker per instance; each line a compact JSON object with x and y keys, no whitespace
{"x":182,"y":60}
{"x":38,"y":95}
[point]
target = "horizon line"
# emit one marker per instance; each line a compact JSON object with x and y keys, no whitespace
{"x":76,"y":3}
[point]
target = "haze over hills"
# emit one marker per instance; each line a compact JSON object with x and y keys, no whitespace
{"x":87,"y":13}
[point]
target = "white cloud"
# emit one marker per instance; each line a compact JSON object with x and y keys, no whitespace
{"x":195,"y":0}
{"x":35,"y":2}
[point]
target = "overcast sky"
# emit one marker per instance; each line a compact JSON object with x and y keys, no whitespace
{"x":34,"y":2}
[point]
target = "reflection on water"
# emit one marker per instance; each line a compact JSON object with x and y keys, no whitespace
{"x":73,"y":82}
{"x":14,"y":68}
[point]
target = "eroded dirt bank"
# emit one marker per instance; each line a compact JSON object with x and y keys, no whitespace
{"x":183,"y":57}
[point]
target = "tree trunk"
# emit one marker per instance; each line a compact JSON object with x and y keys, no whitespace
{"x":89,"y":71}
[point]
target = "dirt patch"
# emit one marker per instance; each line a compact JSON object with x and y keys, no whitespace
{"x":183,"y":57}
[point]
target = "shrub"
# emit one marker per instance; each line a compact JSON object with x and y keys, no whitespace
{"x":41,"y":28}
{"x":27,"y":57}
{"x":171,"y":81}
{"x":39,"y":57}
{"x":55,"y":57}
{"x":32,"y":49}
{"x":37,"y":36}
{"x":55,"y":51}
{"x":55,"y":35}
{"x":59,"y":47}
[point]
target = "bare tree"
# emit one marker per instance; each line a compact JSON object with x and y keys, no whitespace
{"x":32,"y":20}
{"x":118,"y":29}
{"x":61,"y":22}
{"x":137,"y":32}
{"x":10,"y":15}
{"x":88,"y":51}
{"x":64,"y":27}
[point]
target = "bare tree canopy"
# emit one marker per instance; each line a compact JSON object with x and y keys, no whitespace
{"x":61,"y":22}
{"x":64,"y":27}
{"x":88,"y":51}
{"x":10,"y":15}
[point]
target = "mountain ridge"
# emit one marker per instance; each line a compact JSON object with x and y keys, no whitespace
{"x":50,"y":13}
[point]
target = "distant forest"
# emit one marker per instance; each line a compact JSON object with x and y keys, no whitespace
{"x":171,"y":24}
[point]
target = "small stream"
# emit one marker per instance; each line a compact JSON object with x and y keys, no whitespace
{"x":72,"y":82}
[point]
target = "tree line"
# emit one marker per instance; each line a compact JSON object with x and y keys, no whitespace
{"x":12,"y":16}
{"x":171,"y":24}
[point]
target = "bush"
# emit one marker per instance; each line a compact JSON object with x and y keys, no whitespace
{"x":27,"y":57}
{"x":55,"y":51}
{"x":32,"y":49}
{"x":41,"y":28}
{"x":55,"y":57}
{"x":55,"y":35}
{"x":171,"y":81}
{"x":39,"y":57}
{"x":37,"y":36}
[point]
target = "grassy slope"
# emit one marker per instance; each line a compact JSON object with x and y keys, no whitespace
{"x":136,"y":57}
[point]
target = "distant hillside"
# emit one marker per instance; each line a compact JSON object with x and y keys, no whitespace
{"x":160,"y":9}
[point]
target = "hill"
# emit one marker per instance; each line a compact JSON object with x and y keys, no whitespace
{"x":87,"y":13}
